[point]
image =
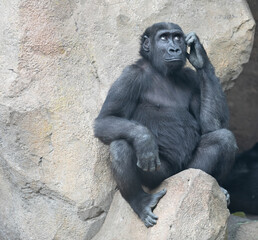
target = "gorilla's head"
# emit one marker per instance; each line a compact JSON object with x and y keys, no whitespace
{"x":163,"y":44}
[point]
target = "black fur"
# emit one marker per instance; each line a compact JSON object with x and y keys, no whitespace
{"x":161,"y":118}
{"x":242,"y":182}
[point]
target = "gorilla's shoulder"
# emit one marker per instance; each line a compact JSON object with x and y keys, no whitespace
{"x":132,"y":76}
{"x":190,"y":76}
{"x":136,"y":70}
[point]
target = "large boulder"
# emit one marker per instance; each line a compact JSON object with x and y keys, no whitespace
{"x":243,"y":104}
{"x":57,"y":61}
{"x":194,"y":207}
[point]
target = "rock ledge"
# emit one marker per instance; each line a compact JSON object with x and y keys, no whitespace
{"x":193,"y":208}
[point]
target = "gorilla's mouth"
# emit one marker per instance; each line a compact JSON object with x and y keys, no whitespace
{"x":173,"y":59}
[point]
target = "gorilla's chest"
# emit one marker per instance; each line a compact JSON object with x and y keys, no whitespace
{"x":165,"y":94}
{"x":165,"y":109}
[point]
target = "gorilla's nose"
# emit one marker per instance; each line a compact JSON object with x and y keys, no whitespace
{"x":174,"y":51}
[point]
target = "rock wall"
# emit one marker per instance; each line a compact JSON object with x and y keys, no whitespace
{"x":57,"y":61}
{"x":244,"y":104}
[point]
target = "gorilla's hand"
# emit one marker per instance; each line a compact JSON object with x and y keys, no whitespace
{"x":146,"y":149}
{"x":197,"y":56}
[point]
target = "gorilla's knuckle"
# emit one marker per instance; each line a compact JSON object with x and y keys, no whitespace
{"x":226,"y":136}
{"x":139,"y":164}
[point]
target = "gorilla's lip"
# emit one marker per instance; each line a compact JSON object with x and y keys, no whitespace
{"x":173,"y":59}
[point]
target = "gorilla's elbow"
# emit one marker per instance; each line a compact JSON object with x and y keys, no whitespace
{"x":99,"y":131}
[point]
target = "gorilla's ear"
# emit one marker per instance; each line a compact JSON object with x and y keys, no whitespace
{"x":146,"y":44}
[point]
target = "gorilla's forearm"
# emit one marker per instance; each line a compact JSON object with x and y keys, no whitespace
{"x":111,"y":128}
{"x":213,"y":107}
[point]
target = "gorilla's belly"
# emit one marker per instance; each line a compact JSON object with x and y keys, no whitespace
{"x":177,"y":132}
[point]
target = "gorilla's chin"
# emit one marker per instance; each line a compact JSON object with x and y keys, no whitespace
{"x":168,"y":67}
{"x":175,"y":65}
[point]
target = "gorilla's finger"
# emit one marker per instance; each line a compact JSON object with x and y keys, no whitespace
{"x":147,"y":223}
{"x":152,"y":220}
{"x":145,"y":165}
{"x":152,"y":166}
{"x":190,"y":41}
{"x":189,"y":35}
{"x":158,"y":163}
{"x":140,"y":164}
{"x":153,"y":215}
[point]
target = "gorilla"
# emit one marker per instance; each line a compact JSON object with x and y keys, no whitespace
{"x":160,"y":118}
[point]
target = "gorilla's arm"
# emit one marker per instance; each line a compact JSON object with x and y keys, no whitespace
{"x":214,"y":113}
{"x":113,"y":122}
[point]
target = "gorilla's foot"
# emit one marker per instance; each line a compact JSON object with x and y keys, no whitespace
{"x":226,"y":195}
{"x":145,"y":205}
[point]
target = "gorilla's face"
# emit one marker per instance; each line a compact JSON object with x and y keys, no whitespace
{"x":163,"y":44}
{"x":169,"y":49}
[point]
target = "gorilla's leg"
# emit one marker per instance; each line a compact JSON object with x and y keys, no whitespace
{"x":127,"y":178}
{"x":215,"y":153}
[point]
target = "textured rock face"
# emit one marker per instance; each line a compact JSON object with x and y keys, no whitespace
{"x":243,"y":104}
{"x":57,"y":61}
{"x":194,"y":207}
{"x":241,"y":228}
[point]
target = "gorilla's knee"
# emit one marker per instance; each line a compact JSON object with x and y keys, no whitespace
{"x":226,"y":140}
{"x":120,"y":151}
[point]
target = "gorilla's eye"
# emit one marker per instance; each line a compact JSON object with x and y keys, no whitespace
{"x":164,"y":37}
{"x":177,"y":38}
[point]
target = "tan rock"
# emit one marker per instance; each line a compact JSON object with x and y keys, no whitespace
{"x":248,"y":231}
{"x":57,"y":61}
{"x":194,"y":207}
{"x":240,"y":228}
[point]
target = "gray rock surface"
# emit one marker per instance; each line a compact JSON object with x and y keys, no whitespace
{"x":242,"y":228}
{"x":57,"y":61}
{"x":194,"y":207}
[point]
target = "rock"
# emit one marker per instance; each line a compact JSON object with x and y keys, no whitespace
{"x":242,"y":228}
{"x":194,"y":207}
{"x":243,"y":104}
{"x":57,"y":61}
